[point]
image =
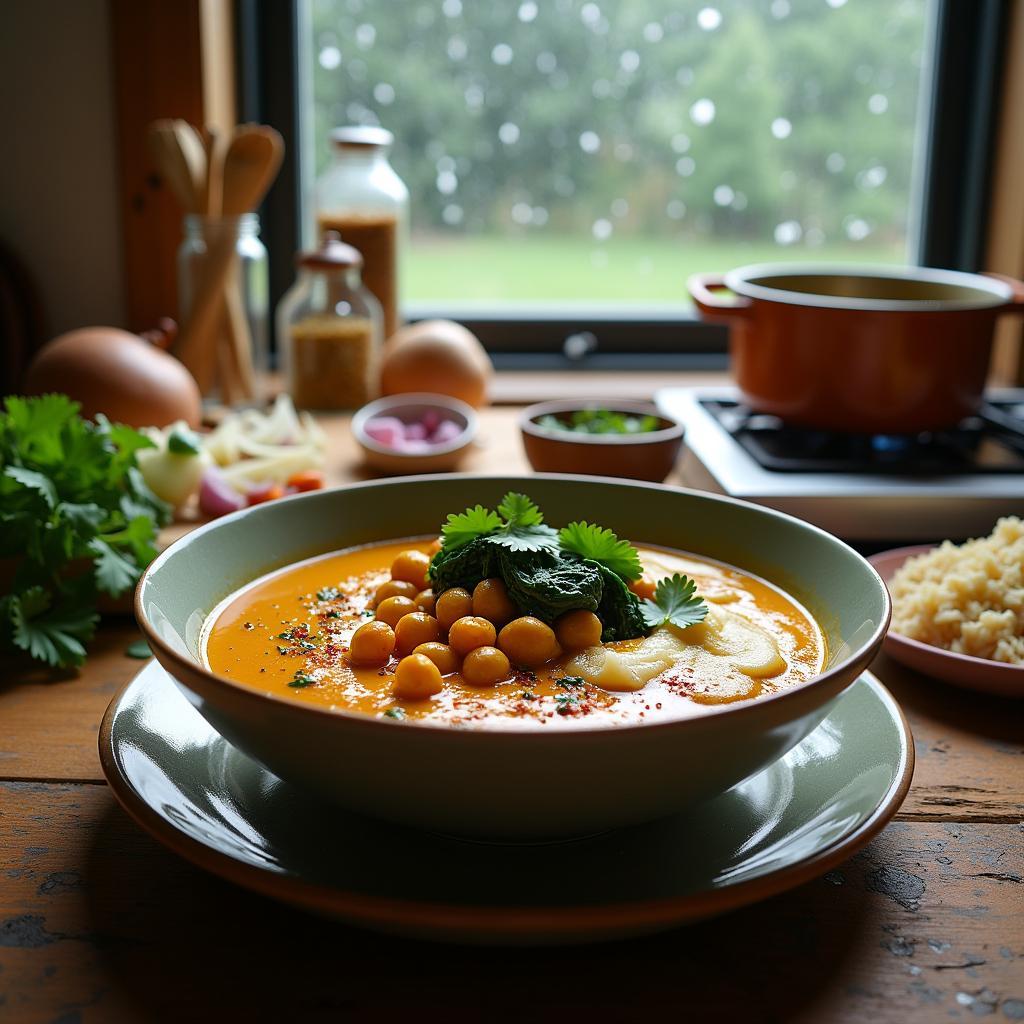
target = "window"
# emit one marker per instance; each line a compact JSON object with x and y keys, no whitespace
{"x":570,"y":162}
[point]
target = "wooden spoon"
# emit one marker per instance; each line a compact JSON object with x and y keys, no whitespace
{"x":253,"y":157}
{"x":174,"y":165}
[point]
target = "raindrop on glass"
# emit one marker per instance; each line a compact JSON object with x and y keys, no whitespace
{"x":502,"y":54}
{"x":653,"y":32}
{"x":384,"y":94}
{"x":676,"y":209}
{"x":452,"y":214}
{"x":780,"y":9}
{"x":602,"y":229}
{"x":835,"y":3}
{"x":702,"y":112}
{"x":330,"y":57}
{"x":685,"y":166}
{"x":522,"y":213}
{"x":451,"y":8}
{"x":474,"y":96}
{"x":629,"y":61}
{"x":620,"y":207}
{"x":457,"y":48}
{"x":856,"y":228}
{"x":447,"y":183}
{"x":527,"y":11}
{"x":781,"y":128}
{"x":680,"y":142}
{"x":365,"y":36}
{"x":835,"y":162}
{"x":878,"y":103}
{"x":540,"y":216}
{"x":590,"y":14}
{"x":723,"y":195}
{"x":509,"y":133}
{"x":546,"y":62}
{"x":740,"y":202}
{"x":601,"y":89}
{"x":445,"y":163}
{"x":709,"y":18}
{"x":590,"y":142}
{"x":788,"y":232}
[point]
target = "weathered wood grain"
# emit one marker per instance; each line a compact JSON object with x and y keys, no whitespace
{"x":96,"y":919}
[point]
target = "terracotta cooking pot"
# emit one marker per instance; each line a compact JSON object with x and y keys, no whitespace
{"x":866,"y":349}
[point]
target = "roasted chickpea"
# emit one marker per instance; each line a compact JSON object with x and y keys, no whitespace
{"x":412,"y":566}
{"x":485,"y":666}
{"x":414,"y":629}
{"x":528,"y":641}
{"x":426,"y":601}
{"x":644,"y":587}
{"x":416,"y":678}
{"x":491,"y":601}
{"x":441,"y":655}
{"x":393,"y":588}
{"x":578,"y":629}
{"x":371,"y":644}
{"x":453,"y":604}
{"x":391,"y":609}
{"x":470,"y":632}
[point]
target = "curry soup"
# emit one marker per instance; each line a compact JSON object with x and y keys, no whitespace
{"x":291,"y":634}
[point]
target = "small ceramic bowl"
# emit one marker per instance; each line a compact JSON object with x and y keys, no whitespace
{"x":410,"y":408}
{"x":962,"y":670}
{"x":648,"y":456}
{"x":516,"y":784}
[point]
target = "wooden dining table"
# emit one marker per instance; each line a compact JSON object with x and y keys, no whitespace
{"x":100,"y":923}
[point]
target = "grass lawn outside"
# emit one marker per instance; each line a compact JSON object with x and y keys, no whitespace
{"x":545,"y":270}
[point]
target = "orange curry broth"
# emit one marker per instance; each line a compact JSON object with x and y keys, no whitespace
{"x":243,"y":642}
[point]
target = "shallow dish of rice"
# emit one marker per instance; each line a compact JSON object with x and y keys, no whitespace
{"x":958,"y":610}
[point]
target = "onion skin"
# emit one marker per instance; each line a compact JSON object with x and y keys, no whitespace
{"x":437,"y":356}
{"x":118,"y":374}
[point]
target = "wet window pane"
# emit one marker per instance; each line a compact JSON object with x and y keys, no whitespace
{"x":598,"y":151}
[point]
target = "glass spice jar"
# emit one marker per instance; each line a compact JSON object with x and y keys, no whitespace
{"x":361,"y":197}
{"x":246,"y":288}
{"x":329,"y":330}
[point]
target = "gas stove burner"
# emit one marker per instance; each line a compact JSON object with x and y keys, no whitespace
{"x":991,"y":442}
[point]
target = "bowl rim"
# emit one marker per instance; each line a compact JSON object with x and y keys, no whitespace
{"x":663,"y":434}
{"x":1002,"y":669}
{"x":433,"y":399}
{"x":580,"y":734}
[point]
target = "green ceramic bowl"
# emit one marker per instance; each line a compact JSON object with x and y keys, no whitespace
{"x":512,"y":785}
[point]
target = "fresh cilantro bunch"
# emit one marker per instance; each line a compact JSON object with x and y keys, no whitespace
{"x":76,"y":520}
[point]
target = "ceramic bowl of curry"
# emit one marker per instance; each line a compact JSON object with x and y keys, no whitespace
{"x":880,"y":350}
{"x":230,"y":610}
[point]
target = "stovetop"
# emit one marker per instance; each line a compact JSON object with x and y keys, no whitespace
{"x":990,"y":442}
{"x":896,"y":488}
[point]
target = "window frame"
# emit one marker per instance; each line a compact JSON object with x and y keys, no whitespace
{"x":960,"y":107}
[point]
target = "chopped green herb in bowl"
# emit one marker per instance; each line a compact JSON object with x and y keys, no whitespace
{"x":601,"y":421}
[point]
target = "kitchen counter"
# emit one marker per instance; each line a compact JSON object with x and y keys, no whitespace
{"x":100,"y":923}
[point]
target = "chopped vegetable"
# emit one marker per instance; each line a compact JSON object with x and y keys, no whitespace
{"x":600,"y":421}
{"x":216,"y":496}
{"x":675,"y":601}
{"x":307,"y":480}
{"x":76,"y":518}
{"x":416,"y":437}
{"x":264,"y":492}
{"x":173,"y":466}
{"x":138,"y":649}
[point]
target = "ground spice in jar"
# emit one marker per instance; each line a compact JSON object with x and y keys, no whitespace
{"x":332,"y":362}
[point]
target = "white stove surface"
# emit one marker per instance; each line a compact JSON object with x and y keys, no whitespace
{"x":855,"y":506}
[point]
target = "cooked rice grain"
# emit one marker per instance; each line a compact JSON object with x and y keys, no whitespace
{"x":968,"y":599}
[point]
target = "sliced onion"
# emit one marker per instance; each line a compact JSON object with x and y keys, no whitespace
{"x":216,"y":496}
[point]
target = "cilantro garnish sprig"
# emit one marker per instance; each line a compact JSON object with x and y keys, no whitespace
{"x":601,"y":545}
{"x":518,"y":525}
{"x":676,"y":601}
